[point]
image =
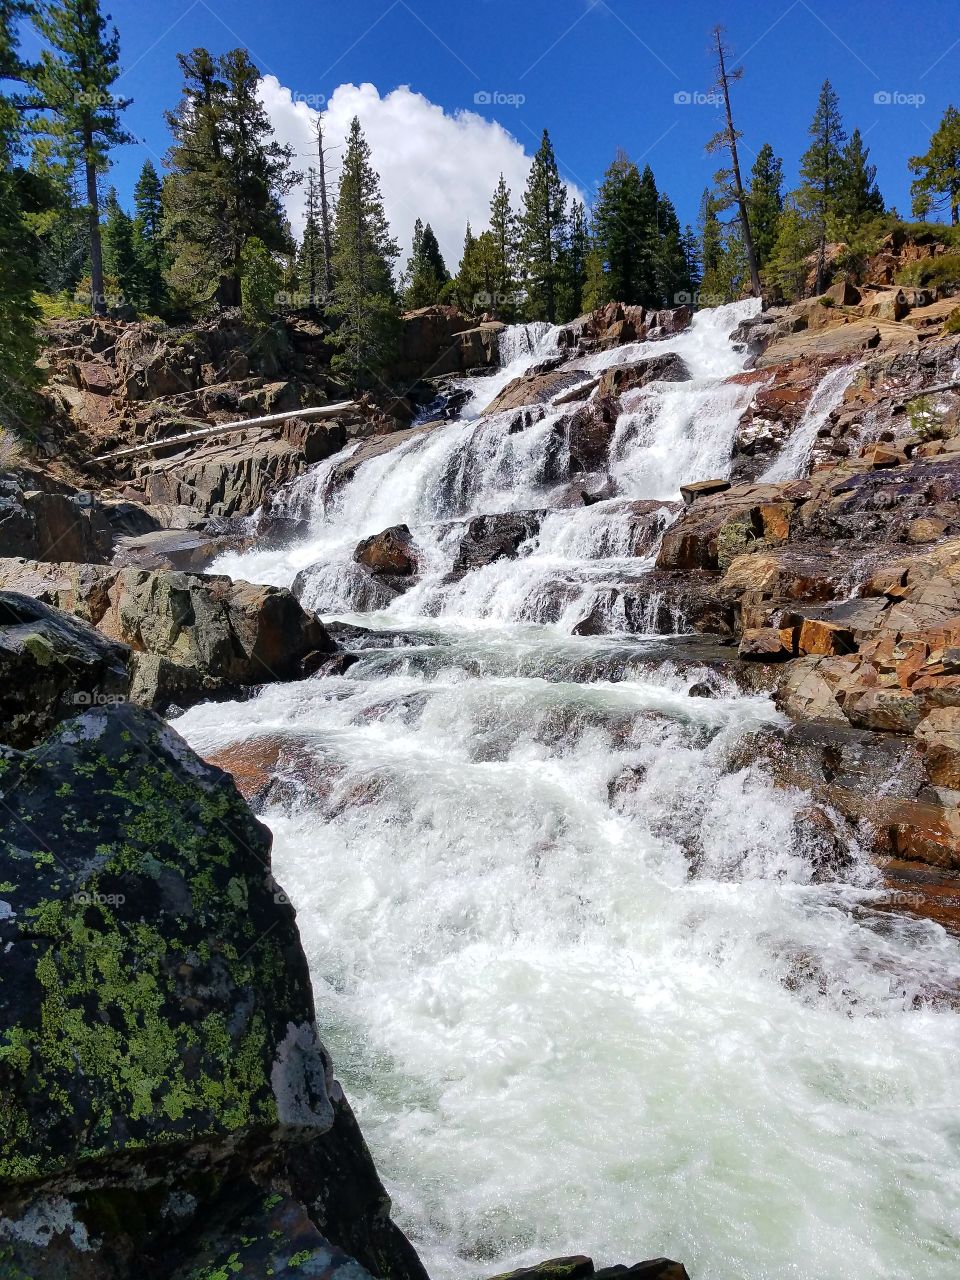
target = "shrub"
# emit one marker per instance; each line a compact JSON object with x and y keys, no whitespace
{"x":926,"y":420}
{"x":11,"y":450}
{"x":953,"y":321}
{"x":941,"y":270}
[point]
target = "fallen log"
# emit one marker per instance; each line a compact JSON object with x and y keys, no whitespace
{"x":227,"y":428}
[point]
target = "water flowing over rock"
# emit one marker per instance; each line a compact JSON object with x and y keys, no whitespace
{"x":640,"y":748}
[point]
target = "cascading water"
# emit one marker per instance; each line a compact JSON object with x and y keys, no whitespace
{"x":587,"y":977}
{"x":794,"y":458}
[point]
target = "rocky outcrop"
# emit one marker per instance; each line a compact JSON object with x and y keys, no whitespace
{"x":538,"y":385}
{"x":191,"y":636}
{"x":46,"y":520}
{"x":436,"y":341}
{"x":169,"y":1107}
{"x":228,"y":478}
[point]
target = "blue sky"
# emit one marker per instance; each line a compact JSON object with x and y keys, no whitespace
{"x":598,"y":73}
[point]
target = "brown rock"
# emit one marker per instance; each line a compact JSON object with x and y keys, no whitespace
{"x":940,"y":734}
{"x":927,"y":832}
{"x":702,"y":489}
{"x":763,"y":644}
{"x":889,"y":710}
{"x":627,"y":377}
{"x":823,"y":638}
{"x":925,"y":530}
{"x":389,"y":552}
{"x":806,"y":694}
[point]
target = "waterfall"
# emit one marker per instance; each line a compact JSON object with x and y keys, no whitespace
{"x":591,"y":981}
{"x":794,"y":458}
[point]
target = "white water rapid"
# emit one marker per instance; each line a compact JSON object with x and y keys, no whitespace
{"x":584,"y":973}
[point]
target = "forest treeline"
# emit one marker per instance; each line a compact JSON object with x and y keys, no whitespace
{"x":210,"y":231}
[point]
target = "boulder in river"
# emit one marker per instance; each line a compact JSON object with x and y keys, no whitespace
{"x":391,"y":553}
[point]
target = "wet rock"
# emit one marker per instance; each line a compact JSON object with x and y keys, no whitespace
{"x":169,"y":1104}
{"x":495,"y":537}
{"x":536,"y":386}
{"x":763,"y":644}
{"x":621,"y":378}
{"x":390,"y":553}
{"x":582,"y":1268}
{"x":51,"y":667}
{"x":590,"y":431}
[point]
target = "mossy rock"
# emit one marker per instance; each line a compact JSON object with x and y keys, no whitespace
{"x":155,"y":990}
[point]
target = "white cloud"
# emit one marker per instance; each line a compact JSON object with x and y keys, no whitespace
{"x":438,"y":167}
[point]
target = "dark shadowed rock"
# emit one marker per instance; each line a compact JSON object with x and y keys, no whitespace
{"x":52,"y":666}
{"x":495,"y":537}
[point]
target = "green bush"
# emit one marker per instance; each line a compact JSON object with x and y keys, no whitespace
{"x":926,"y":420}
{"x":59,"y":306}
{"x":953,"y":322}
{"x":11,"y":450}
{"x":942,"y":270}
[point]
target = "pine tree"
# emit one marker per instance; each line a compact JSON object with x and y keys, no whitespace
{"x":121,"y":260}
{"x":625,"y":231}
{"x":766,"y":202}
{"x":937,"y":184}
{"x":858,"y":197}
{"x":596,"y":287}
{"x":573,"y":274}
{"x":426,"y":275}
{"x":821,"y":169}
{"x":18,"y":316}
{"x":78,"y":113}
{"x":228,"y":179}
{"x":477,"y":276}
{"x":150,"y":237}
{"x":796,"y":240}
{"x":324,"y":211}
{"x":261,"y":281}
{"x":711,"y":236}
{"x":311,"y":262}
{"x":503,"y":227}
{"x":364,"y":298}
{"x":729,"y":181}
{"x":544,"y":234}
{"x":691,"y":256}
{"x":674,"y":282}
